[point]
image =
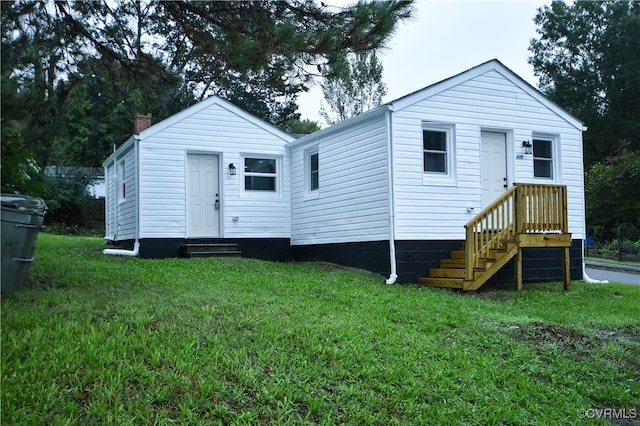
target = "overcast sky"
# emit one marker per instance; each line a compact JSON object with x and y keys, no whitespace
{"x":446,"y":38}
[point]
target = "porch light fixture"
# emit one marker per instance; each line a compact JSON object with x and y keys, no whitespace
{"x":232,"y":169}
{"x":528,"y":148}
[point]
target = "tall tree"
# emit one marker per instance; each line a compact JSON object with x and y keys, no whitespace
{"x":352,"y":87}
{"x":261,"y":54}
{"x":116,"y":56}
{"x":588,"y":59}
{"x":611,"y":188}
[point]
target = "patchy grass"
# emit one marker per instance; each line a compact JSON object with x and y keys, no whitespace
{"x":114,"y":340}
{"x":614,"y":261}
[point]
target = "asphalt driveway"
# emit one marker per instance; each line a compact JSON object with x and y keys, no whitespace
{"x":613,"y":272}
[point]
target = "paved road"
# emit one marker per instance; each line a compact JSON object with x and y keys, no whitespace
{"x":603,"y":271}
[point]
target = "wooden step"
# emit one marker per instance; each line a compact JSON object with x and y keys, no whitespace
{"x":442,"y":282}
{"x":461,"y":264}
{"x":458,"y":254}
{"x":447,"y":273}
{"x":452,"y":263}
{"x":453,"y":273}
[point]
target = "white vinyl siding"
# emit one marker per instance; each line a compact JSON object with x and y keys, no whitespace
{"x":352,"y":204}
{"x":222,"y":130}
{"x":110,"y":201}
{"x":489,"y":101}
{"x":121,"y":193}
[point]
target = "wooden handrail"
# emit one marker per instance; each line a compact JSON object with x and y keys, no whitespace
{"x":523,"y":208}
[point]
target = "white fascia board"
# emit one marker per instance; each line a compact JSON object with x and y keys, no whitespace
{"x":340,"y":126}
{"x":214,"y":100}
{"x":492,"y":65}
{"x":122,"y":148}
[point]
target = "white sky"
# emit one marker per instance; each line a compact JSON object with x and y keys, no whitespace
{"x":446,"y":38}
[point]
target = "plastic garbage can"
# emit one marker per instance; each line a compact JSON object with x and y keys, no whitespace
{"x":22,"y":219}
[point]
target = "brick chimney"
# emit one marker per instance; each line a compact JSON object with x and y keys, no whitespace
{"x":141,"y":122}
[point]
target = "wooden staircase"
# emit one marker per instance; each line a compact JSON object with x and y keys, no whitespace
{"x":212,"y":249}
{"x":527,"y":215}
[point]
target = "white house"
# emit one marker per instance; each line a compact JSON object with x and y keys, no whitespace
{"x":395,"y":186}
{"x":172,"y":183}
{"x":390,"y":190}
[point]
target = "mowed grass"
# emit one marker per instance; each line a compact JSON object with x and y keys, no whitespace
{"x":115,"y":340}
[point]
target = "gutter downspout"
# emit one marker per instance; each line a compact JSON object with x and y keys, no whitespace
{"x":586,"y":278}
{"x":120,"y":252}
{"x":392,"y":216}
{"x":136,"y":244}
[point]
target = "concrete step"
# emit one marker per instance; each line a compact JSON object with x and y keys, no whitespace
{"x":210,"y":250}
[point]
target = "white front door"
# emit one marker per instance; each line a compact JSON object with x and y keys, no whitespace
{"x":203,"y":196}
{"x":494,"y":166}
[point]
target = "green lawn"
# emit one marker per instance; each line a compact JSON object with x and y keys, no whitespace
{"x":115,"y":340}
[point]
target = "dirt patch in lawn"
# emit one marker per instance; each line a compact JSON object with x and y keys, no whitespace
{"x":631,"y":333}
{"x":542,"y":334}
{"x":492,"y":295}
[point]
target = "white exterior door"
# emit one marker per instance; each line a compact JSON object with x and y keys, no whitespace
{"x":494,"y":166}
{"x":203,"y":196}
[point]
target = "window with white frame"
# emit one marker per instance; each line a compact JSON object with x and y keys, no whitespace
{"x":543,"y":158}
{"x":122,"y":181}
{"x":438,"y":152}
{"x":260,"y":174}
{"x":312,"y":167}
{"x":435,"y":151}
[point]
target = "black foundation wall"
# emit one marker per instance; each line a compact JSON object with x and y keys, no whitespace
{"x":275,"y":249}
{"x":372,"y":256}
{"x":542,"y":265}
{"x":415,"y":258}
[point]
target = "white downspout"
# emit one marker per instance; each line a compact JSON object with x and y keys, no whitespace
{"x":586,"y":278}
{"x":120,"y":252}
{"x":392,"y":219}
{"x":136,"y":244}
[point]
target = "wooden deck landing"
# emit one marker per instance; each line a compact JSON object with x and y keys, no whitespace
{"x":525,"y":216}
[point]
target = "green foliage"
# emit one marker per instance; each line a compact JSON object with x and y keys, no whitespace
{"x":611,"y":191}
{"x":588,"y":61}
{"x":66,"y":199}
{"x":301,"y":127}
{"x":112,"y":340}
{"x":74,"y":73}
{"x":352,"y":86}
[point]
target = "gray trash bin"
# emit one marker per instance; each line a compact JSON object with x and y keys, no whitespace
{"x":22,"y":218}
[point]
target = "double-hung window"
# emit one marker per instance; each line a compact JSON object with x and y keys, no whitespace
{"x":543,"y":158}
{"x":438,"y":163}
{"x":260,"y":174}
{"x":314,"y":172}
{"x":435,"y":151}
{"x":122,"y":181}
